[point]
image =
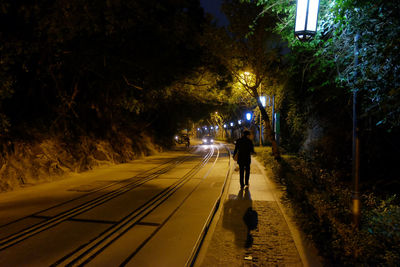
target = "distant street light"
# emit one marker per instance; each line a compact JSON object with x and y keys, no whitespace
{"x":247,"y":78}
{"x":224,"y":125}
{"x":263,"y":100}
{"x":239,"y":122}
{"x":232,"y":124}
{"x":306,"y":19}
{"x":248,"y":116}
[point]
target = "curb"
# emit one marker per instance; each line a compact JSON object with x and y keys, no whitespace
{"x":200,"y":241}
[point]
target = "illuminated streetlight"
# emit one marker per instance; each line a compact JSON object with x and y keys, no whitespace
{"x":224,"y":125}
{"x":248,"y":78}
{"x":216,"y":127}
{"x":239,"y":122}
{"x":263,"y":100}
{"x":248,"y":116}
{"x":231,"y":124}
{"x":212,"y":128}
{"x":306,"y":19}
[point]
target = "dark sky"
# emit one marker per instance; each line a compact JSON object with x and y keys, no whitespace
{"x":213,"y":7}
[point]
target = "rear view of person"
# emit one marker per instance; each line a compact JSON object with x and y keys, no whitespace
{"x":244,"y":148}
{"x":187,"y":141}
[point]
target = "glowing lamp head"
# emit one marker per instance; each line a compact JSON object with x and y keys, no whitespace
{"x":306,"y":19}
{"x":263,"y":101}
{"x":231,"y":124}
{"x":248,"y":116}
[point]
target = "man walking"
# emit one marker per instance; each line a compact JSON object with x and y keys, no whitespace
{"x":243,"y":149}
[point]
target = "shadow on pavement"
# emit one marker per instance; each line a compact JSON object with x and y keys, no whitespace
{"x":240,"y":218}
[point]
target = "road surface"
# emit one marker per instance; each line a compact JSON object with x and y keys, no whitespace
{"x":150,"y":212}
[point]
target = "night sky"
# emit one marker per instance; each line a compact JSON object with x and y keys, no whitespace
{"x":213,"y":7}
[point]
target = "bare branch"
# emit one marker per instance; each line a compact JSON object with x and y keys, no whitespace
{"x":131,"y":84}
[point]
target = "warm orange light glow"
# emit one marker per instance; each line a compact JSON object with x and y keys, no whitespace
{"x":248,"y":78}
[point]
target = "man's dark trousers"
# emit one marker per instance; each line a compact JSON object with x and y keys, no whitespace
{"x":244,"y":180}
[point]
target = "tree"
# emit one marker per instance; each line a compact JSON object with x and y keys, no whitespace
{"x":80,"y":67}
{"x":326,"y":71}
{"x":254,"y":56}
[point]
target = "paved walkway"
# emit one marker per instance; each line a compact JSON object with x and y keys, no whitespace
{"x":252,"y":229}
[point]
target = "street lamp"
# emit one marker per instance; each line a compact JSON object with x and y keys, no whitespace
{"x":248,"y":116}
{"x":231,"y":124}
{"x":239,"y":122}
{"x":306,"y":19}
{"x":247,"y":78}
{"x":263,"y":100}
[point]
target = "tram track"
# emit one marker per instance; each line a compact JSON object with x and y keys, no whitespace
{"x":94,"y":247}
{"x":122,"y":187}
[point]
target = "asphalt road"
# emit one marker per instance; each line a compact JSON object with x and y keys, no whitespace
{"x":150,"y":212}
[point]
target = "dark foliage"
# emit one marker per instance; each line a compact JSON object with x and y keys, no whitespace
{"x":85,"y":67}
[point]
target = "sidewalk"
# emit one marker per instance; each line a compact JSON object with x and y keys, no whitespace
{"x":253,"y":229}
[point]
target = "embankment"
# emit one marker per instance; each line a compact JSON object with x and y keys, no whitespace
{"x":25,"y":163}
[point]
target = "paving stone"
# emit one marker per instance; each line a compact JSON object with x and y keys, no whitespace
{"x":268,"y":242}
{"x":252,"y":230}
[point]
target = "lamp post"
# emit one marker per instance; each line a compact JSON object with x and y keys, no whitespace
{"x":356,"y":209}
{"x":263,"y":101}
{"x":248,"y":116}
{"x":305,"y":28}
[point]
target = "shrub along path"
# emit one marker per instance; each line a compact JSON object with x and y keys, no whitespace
{"x":321,"y":201}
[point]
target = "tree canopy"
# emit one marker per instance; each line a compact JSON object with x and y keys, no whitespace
{"x":82,"y":67}
{"x":322,"y":75}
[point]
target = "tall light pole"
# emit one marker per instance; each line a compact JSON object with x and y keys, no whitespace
{"x":248,"y":116}
{"x":263,"y":101}
{"x":305,"y":28}
{"x":356,"y":209}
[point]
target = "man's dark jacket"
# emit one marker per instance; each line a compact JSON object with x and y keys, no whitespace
{"x":245,"y":148}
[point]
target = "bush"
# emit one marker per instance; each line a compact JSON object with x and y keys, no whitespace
{"x":323,"y":206}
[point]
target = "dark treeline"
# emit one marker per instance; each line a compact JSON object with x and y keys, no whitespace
{"x":87,"y":67}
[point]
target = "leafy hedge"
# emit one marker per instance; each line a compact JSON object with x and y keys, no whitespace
{"x":323,"y":206}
